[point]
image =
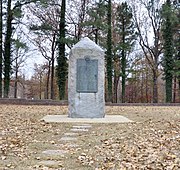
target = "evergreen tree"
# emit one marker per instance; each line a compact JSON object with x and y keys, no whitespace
{"x":12,"y":13}
{"x":176,"y":42}
{"x":7,"y":49}
{"x":126,"y":30}
{"x":168,"y":49}
{"x":1,"y":47}
{"x":61,"y":58}
{"x":109,"y":53}
{"x":96,"y":20}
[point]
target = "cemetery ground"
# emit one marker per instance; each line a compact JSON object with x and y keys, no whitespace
{"x":152,"y":141}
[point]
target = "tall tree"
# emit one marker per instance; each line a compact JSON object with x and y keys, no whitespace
{"x":126,"y":30}
{"x":1,"y":47}
{"x":148,"y":20}
{"x":176,"y":44}
{"x":109,"y":53}
{"x":168,"y":49}
{"x":19,"y":56}
{"x":76,"y":17}
{"x":40,"y":71}
{"x":12,"y":13}
{"x":7,"y":49}
{"x":45,"y":31}
{"x":61,"y":58}
{"x":96,"y":21}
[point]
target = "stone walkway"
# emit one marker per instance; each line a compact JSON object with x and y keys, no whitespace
{"x":68,"y":140}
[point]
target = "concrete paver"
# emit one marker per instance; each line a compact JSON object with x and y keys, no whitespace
{"x":79,"y":130}
{"x":54,"y":152}
{"x":49,"y":163}
{"x":67,"y":138}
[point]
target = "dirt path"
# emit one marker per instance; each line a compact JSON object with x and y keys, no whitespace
{"x":151,"y":142}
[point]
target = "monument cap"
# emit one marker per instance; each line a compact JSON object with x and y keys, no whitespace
{"x":87,"y":44}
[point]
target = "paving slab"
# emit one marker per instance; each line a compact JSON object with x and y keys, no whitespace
{"x":49,"y":163}
{"x":79,"y":130}
{"x":70,"y":134}
{"x":106,"y":119}
{"x":67,"y":138}
{"x":82,"y":126}
{"x":54,"y":152}
{"x":67,"y":145}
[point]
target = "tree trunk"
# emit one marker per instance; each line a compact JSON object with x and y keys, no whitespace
{"x":155,"y":87}
{"x":167,"y":33}
{"x":52,"y":66}
{"x":116,"y":82}
{"x":7,"y":50}
{"x":109,"y":54}
{"x":47,"y":82}
{"x":96,"y":35}
{"x":16,"y":80}
{"x":123,"y":63}
{"x":169,"y":88}
{"x":147,"y":96}
{"x":81,"y":19}
{"x":61,"y":59}
{"x":174,"y":91}
{"x":142,"y":92}
{"x":40,"y":85}
{"x":1,"y":49}
{"x":52,"y":79}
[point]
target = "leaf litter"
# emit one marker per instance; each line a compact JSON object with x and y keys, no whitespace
{"x":151,"y":142}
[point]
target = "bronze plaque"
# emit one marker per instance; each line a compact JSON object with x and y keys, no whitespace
{"x":87,"y":75}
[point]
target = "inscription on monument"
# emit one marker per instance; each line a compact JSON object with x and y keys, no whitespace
{"x":87,"y":75}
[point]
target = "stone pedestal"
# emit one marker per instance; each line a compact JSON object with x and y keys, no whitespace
{"x":86,"y":80}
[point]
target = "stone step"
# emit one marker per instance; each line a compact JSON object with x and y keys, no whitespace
{"x":67,"y":138}
{"x":55,"y":152}
{"x":79,"y":130}
{"x":82,"y":126}
{"x":70,"y":134}
{"x":50,"y":163}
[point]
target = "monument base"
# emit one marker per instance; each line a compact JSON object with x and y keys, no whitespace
{"x":106,"y":119}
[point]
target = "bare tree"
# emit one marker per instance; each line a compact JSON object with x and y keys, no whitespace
{"x":76,"y":15}
{"x":45,"y":32}
{"x":19,"y":57}
{"x":148,"y":20}
{"x":40,"y":74}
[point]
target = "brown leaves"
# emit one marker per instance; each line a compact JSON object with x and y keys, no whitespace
{"x":151,"y":142}
{"x":148,"y":145}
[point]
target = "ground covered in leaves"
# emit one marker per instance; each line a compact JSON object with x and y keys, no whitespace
{"x":152,"y":141}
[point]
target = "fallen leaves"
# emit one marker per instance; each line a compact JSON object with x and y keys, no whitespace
{"x":150,"y":145}
{"x":152,"y":142}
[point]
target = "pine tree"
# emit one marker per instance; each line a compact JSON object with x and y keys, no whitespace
{"x":168,"y":49}
{"x":15,"y":12}
{"x":176,"y":43}
{"x":7,"y":49}
{"x":96,"y":19}
{"x":126,"y":30}
{"x":61,"y":58}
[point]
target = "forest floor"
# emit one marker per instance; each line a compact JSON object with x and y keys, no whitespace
{"x":152,"y":141}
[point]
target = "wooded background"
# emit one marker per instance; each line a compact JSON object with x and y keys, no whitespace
{"x":140,"y":39}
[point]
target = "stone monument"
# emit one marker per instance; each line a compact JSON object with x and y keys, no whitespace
{"x":86,"y":80}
